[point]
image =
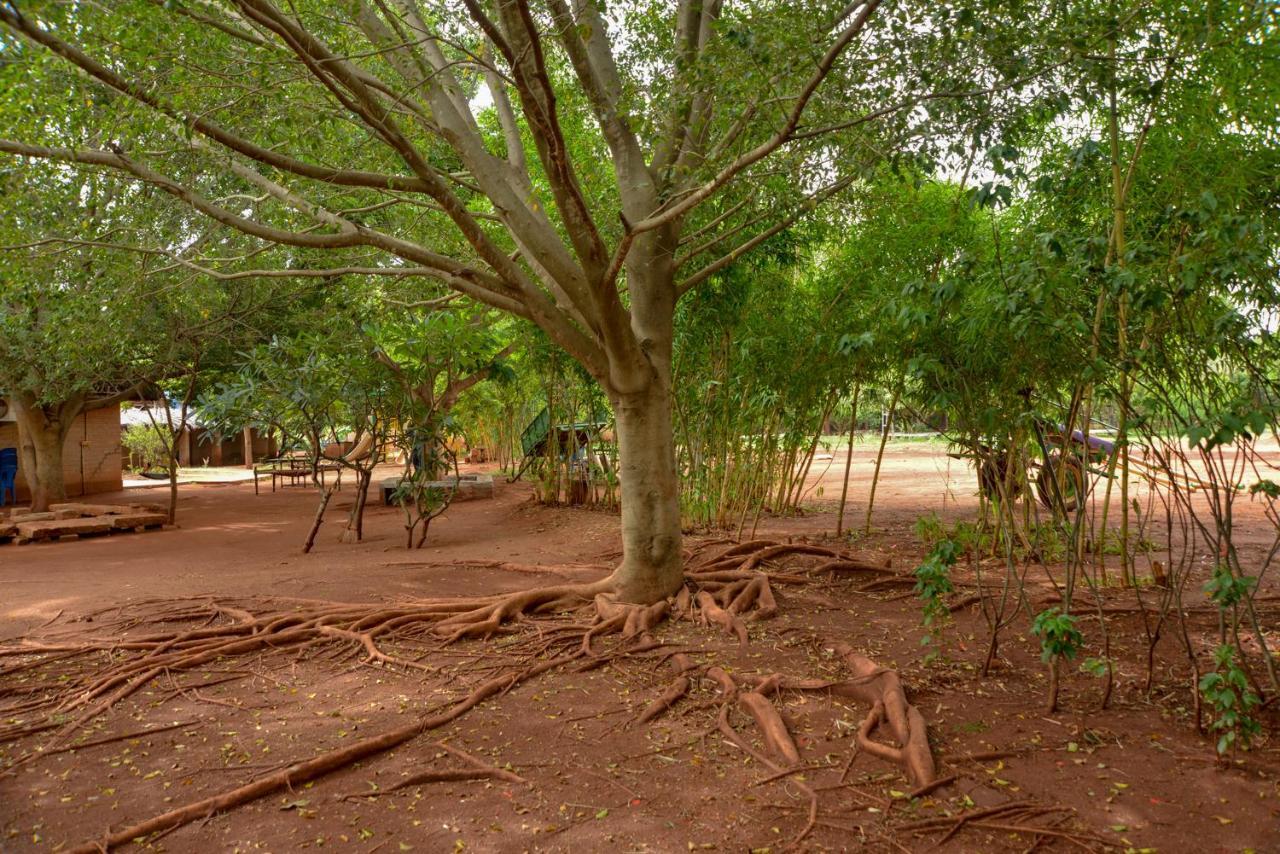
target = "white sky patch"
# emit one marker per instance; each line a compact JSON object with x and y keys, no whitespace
{"x":481,"y":101}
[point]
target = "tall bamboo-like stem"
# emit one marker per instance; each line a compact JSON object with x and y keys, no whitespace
{"x":768,"y":457}
{"x":741,"y":454}
{"x":1121,"y":184}
{"x":1116,"y":255}
{"x":755,"y":472}
{"x":1126,"y":564}
{"x":787,"y":474}
{"x":884,"y":438}
{"x":848,"y":459}
{"x":797,"y":491}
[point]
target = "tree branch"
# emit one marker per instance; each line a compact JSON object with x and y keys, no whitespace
{"x":538,"y":99}
{"x":507,"y":119}
{"x":118,"y":161}
{"x":456,"y":387}
{"x":92,"y":403}
{"x":672,"y":211}
{"x":809,"y":204}
{"x":693,"y":31}
{"x":338,"y":75}
{"x":510,"y":194}
{"x":594,"y":66}
{"x":77,"y":57}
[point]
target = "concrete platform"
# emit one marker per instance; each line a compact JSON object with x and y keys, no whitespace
{"x":470,"y":487}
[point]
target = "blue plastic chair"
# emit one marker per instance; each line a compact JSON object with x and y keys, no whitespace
{"x":8,"y":474}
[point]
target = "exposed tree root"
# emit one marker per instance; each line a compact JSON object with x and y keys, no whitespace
{"x":122,"y":650}
{"x":713,"y":613}
{"x":775,"y":734}
{"x":930,"y":788}
{"x":883,"y":689}
{"x":564,"y":570}
{"x":1012,"y":817}
{"x":450,"y":775}
{"x":674,"y":692}
{"x":773,"y":729}
{"x":375,"y":654}
{"x":302,"y":772}
{"x":113,"y":739}
{"x":479,"y":770}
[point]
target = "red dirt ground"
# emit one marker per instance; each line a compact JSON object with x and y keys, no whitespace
{"x":1135,"y":776}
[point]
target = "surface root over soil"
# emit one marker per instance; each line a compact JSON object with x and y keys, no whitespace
{"x":99,"y":660}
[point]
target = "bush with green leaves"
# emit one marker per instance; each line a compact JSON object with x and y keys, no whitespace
{"x":1227,"y":589}
{"x":1226,"y":691}
{"x":929,"y":529}
{"x":971,"y":537}
{"x":146,"y":447}
{"x":933,"y":585}
{"x":1059,"y":637}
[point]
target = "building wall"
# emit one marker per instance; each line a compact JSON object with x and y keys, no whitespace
{"x":201,"y":450}
{"x":90,"y":458}
{"x":264,"y":446}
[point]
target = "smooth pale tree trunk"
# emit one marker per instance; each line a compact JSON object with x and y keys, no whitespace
{"x":652,"y":557}
{"x":41,"y":439}
{"x":652,"y":560}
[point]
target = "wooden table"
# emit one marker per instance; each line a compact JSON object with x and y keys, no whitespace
{"x":290,"y":469}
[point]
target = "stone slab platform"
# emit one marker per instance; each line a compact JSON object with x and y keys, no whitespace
{"x":470,"y":487}
{"x":74,"y":520}
{"x":133,"y":521}
{"x":81,"y":509}
{"x":62,"y":527}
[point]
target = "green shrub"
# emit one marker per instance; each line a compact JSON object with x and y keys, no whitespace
{"x":1226,"y":589}
{"x":146,"y":446}
{"x":933,"y":585}
{"x":1226,"y":690}
{"x":1059,"y":637}
{"x":928,"y":529}
{"x":971,"y":538}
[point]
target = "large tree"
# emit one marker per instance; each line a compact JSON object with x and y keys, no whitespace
{"x":572,"y":164}
{"x":84,"y":326}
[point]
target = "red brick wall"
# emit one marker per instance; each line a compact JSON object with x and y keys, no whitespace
{"x":90,"y":458}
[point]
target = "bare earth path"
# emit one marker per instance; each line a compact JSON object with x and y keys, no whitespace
{"x":231,"y":542}
{"x":1135,"y":776}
